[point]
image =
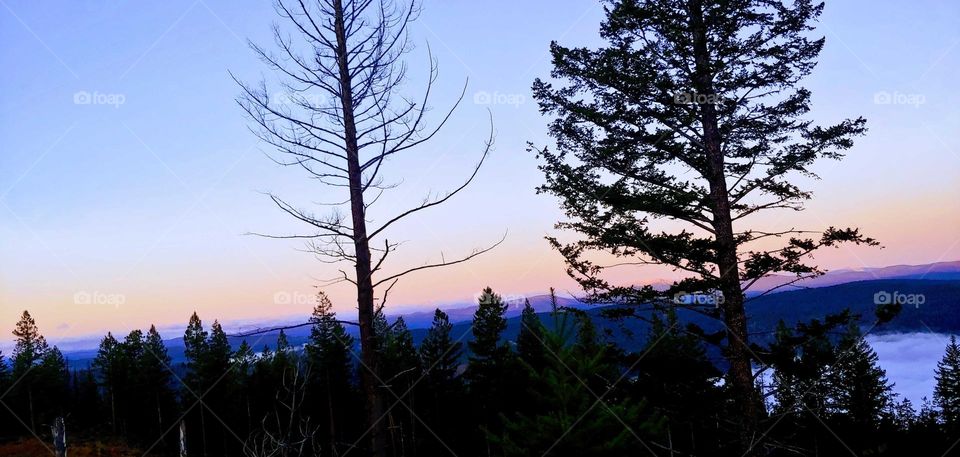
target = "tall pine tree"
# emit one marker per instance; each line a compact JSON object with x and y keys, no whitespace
{"x":530,"y":339}
{"x":156,"y":386}
{"x":489,"y":362}
{"x":110,"y":365}
{"x":332,"y":398}
{"x":440,"y":354}
{"x":28,"y":352}
{"x":691,"y":112}
{"x":859,"y":388}
{"x":946,"y":394}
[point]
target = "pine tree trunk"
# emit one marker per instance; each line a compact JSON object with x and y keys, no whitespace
{"x":737,"y":352}
{"x":364,"y":282}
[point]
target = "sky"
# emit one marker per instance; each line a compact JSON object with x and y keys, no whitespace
{"x":129,"y":180}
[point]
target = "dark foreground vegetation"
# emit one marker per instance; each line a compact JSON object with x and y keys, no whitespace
{"x":558,"y":389}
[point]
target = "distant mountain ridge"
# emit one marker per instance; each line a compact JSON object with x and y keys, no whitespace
{"x":808,"y":298}
{"x":939,"y":270}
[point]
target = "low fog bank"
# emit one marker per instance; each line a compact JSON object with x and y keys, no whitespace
{"x":910,"y":360}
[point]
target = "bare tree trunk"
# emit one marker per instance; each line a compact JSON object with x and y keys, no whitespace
{"x":183,"y":438}
{"x":364,"y":282}
{"x":737,"y":352}
{"x":59,"y":431}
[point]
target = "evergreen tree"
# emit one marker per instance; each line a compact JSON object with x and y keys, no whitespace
{"x":487,"y":352}
{"x":440,"y":394}
{"x":530,"y":339}
{"x":53,"y":380}
{"x":801,"y":358}
{"x":904,"y":415}
{"x":86,"y":404}
{"x":400,"y":369}
{"x":401,"y":363}
{"x":284,"y":358}
{"x":28,"y":352}
{"x":691,"y":112}
{"x":946,"y":394}
{"x":156,"y":386}
{"x":219,"y":383}
{"x":243,"y":360}
{"x":567,"y":408}
{"x":6,"y":421}
{"x":134,"y":400}
{"x":4,"y":372}
{"x":488,"y":363}
{"x":219,"y":352}
{"x":858,"y":386}
{"x":5,"y":418}
{"x":332,"y":399}
{"x":30,"y":346}
{"x":262,"y":384}
{"x":677,"y":380}
{"x":194,"y":349}
{"x":112,"y":372}
{"x":440,"y":354}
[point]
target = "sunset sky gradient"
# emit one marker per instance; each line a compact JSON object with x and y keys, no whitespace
{"x":148,"y":201}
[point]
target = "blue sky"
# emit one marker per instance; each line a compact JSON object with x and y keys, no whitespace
{"x":145,"y":193}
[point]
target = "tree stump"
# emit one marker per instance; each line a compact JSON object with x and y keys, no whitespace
{"x":59,"y":431}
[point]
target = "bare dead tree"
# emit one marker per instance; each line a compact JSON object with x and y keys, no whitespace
{"x":339,"y":119}
{"x":286,"y":432}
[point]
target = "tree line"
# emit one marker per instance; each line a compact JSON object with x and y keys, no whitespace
{"x":561,"y":387}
